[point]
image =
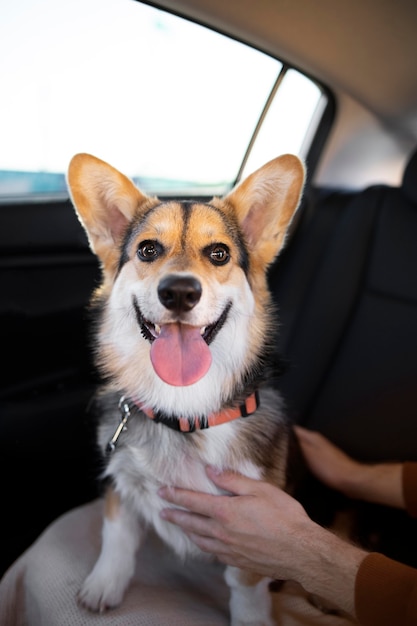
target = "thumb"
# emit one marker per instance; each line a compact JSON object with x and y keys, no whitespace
{"x":233,"y":482}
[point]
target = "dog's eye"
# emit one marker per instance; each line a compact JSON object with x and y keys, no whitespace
{"x":149,"y":250}
{"x":218,"y":253}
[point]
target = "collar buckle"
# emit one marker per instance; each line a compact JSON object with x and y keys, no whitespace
{"x":124,"y":409}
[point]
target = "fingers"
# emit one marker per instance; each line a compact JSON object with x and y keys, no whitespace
{"x":197,"y":502}
{"x":207,"y":514}
{"x":224,"y":508}
{"x":311,"y":444}
{"x":223,"y":552}
{"x":200,"y":529}
{"x":316,"y":447}
{"x":234,"y":483}
{"x":204,"y":531}
{"x":309,"y":437}
{"x":190,"y":522}
{"x":327,"y":462}
{"x":205,"y":504}
{"x":207,"y":534}
{"x":312,"y":440}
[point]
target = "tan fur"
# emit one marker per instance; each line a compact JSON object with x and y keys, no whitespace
{"x":111,"y":504}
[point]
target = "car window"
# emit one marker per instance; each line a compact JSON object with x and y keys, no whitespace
{"x":176,"y":106}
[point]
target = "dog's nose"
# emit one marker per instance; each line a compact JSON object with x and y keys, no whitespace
{"x":179,"y":293}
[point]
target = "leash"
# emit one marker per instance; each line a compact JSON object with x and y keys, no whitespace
{"x":182,"y":424}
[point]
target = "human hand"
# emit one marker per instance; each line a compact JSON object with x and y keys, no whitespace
{"x":263,"y":529}
{"x":327,"y":462}
{"x":380,"y":482}
{"x":257,"y":528}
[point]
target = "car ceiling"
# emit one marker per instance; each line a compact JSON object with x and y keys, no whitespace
{"x":365,"y":48}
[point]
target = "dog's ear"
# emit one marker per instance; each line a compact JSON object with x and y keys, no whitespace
{"x":105,"y":201}
{"x":265,"y":203}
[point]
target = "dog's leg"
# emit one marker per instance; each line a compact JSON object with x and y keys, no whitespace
{"x":250,"y":599}
{"x":107,"y":582}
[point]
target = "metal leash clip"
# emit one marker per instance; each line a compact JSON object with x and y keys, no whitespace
{"x":124,"y":416}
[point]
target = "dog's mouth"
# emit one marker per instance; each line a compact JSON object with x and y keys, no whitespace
{"x":179,"y":352}
{"x":152,"y":331}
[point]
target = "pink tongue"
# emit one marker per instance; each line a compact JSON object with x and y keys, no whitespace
{"x":179,"y":355}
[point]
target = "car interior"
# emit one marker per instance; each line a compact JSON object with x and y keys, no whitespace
{"x":345,"y":285}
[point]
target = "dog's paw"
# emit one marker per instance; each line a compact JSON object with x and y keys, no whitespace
{"x":250,"y":600}
{"x":100,"y":593}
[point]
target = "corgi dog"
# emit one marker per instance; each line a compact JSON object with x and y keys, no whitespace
{"x":183,"y":337}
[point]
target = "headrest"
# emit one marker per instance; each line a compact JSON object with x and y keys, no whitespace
{"x":409,"y":185}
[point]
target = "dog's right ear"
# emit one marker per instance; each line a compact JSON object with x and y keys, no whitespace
{"x":265,"y":202}
{"x":105,"y":201}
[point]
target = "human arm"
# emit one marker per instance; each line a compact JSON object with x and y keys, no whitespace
{"x":263,"y":529}
{"x":380,"y":483}
{"x":385,"y":590}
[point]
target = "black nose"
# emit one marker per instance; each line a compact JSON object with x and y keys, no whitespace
{"x":179,"y":293}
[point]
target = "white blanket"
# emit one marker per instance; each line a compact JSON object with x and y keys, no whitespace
{"x":41,"y":586}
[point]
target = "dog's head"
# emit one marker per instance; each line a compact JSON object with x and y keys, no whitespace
{"x":184,"y":293}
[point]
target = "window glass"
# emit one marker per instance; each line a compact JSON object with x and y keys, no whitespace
{"x":289,"y":122}
{"x":170,"y":103}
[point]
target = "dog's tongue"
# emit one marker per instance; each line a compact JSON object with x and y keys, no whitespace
{"x":179,"y":354}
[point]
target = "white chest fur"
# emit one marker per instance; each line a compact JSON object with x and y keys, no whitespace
{"x":153,"y":455}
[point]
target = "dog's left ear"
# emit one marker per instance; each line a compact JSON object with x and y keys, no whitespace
{"x":105,"y":201}
{"x":265,"y":203}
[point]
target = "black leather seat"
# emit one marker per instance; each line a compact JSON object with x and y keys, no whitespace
{"x":346,"y":288}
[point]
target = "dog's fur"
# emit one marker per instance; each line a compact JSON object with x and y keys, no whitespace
{"x":199,"y":270}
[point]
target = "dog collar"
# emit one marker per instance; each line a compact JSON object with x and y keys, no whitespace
{"x":183,"y":424}
{"x":189,"y":425}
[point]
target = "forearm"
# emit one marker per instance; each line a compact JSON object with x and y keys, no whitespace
{"x":379,"y":483}
{"x":327,"y":567}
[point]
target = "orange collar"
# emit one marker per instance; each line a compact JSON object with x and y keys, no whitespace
{"x":189,"y":425}
{"x":181,"y":424}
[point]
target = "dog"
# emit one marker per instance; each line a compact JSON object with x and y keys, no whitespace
{"x":183,"y":338}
